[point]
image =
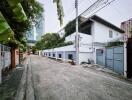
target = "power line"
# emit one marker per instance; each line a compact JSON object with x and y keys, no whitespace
{"x":72,"y":11}
{"x":100,"y":4}
{"x":69,"y":12}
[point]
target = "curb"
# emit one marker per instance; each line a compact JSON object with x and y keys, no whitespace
{"x":26,"y":90}
{"x":21,"y":90}
{"x":30,"y":90}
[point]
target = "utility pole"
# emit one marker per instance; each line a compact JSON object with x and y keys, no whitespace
{"x":77,"y":38}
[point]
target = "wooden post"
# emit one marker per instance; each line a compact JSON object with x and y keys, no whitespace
{"x":14,"y":57}
{"x":13,"y":62}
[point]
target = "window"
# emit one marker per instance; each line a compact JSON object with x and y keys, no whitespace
{"x":110,"y":34}
{"x":117,"y":34}
{"x":53,"y":55}
{"x":60,"y":56}
{"x":70,"y":56}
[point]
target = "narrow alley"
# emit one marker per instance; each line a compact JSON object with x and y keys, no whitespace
{"x":59,"y":81}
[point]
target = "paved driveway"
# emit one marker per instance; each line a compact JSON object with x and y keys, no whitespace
{"x":58,"y":81}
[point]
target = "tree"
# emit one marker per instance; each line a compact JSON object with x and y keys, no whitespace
{"x":59,"y":10}
{"x":71,"y":26}
{"x":20,"y":14}
{"x":51,"y":40}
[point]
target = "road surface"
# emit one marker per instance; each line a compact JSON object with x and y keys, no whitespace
{"x":58,"y":81}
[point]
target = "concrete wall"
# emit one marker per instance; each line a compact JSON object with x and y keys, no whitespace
{"x":84,"y":56}
{"x":70,"y":52}
{"x":17,"y":56}
{"x":101,"y":33}
{"x":83,"y":38}
{"x":5,"y":59}
{"x":60,"y":52}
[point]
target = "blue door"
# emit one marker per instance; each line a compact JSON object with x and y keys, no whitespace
{"x":115,"y":59}
{"x":100,"y":57}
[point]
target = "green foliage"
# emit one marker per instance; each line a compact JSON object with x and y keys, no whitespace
{"x":59,"y":10}
{"x":64,"y":44}
{"x":71,"y":26}
{"x":31,"y":9}
{"x":51,"y":40}
{"x":34,"y":49}
{"x":117,"y":43}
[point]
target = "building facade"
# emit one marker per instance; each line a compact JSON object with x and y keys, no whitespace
{"x":127,"y":27}
{"x":31,"y":34}
{"x":40,"y":27}
{"x":95,"y":33}
{"x":36,"y":31}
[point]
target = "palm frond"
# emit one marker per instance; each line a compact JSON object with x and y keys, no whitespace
{"x":60,"y":11}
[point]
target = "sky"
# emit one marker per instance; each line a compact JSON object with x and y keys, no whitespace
{"x":115,"y":13}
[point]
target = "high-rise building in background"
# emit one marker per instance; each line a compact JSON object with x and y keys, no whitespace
{"x":127,"y":27}
{"x":37,"y":30}
{"x":40,"y":27}
{"x":31,"y":34}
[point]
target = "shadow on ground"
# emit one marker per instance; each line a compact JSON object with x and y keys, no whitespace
{"x":10,"y":84}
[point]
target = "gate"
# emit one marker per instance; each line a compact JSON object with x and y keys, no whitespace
{"x":100,"y":57}
{"x":115,"y":59}
{"x":129,"y":58}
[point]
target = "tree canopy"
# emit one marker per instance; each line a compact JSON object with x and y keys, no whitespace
{"x":20,"y":14}
{"x":59,"y":10}
{"x":51,"y":40}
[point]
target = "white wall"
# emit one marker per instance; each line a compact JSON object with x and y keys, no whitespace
{"x":83,"y":38}
{"x":64,"y":48}
{"x":84,"y":56}
{"x":85,"y":48}
{"x":101,"y":33}
{"x":84,"y":42}
{"x":70,"y":38}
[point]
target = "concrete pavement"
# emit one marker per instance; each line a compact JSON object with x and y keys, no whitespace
{"x":58,"y":81}
{"x":26,"y":88}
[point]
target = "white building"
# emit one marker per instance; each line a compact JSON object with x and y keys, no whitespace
{"x":94,"y":33}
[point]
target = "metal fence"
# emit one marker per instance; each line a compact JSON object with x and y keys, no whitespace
{"x":100,"y":57}
{"x":115,"y":59}
{"x":112,"y":58}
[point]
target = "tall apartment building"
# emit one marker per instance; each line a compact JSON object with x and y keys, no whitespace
{"x":31,"y":34}
{"x":37,"y":29}
{"x":127,"y":27}
{"x":40,"y":27}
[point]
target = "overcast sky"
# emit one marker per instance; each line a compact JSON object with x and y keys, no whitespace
{"x":118,"y":11}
